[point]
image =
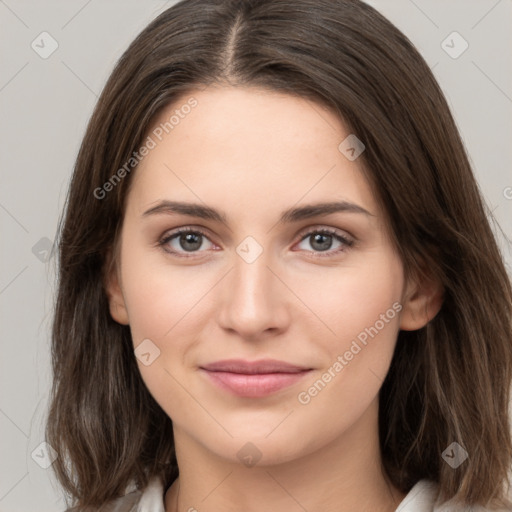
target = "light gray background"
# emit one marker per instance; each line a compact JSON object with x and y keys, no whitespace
{"x":45,"y":105}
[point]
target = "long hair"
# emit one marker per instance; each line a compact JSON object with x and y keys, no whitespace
{"x":448,"y":382}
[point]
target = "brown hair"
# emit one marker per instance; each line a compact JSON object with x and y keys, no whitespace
{"x":449,"y":381}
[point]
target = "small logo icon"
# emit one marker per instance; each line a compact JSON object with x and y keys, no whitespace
{"x":44,"y":455}
{"x":44,"y":45}
{"x":42,"y":249}
{"x":455,"y":455}
{"x":147,"y":352}
{"x":249,"y":455}
{"x":351,"y":147}
{"x":454,"y":45}
{"x":249,"y":249}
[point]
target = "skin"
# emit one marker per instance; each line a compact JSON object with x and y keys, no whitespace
{"x":253,"y":154}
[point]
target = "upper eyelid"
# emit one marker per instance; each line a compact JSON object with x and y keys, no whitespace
{"x":334,"y":231}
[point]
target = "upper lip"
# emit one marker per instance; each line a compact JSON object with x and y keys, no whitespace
{"x":253,"y":367}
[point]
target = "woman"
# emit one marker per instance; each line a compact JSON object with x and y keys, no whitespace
{"x":279,"y":289}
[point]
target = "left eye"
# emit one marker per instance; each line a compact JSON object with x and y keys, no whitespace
{"x":190,"y":241}
{"x":321,"y":241}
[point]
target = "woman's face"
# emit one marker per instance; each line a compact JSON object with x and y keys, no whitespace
{"x":256,"y":279}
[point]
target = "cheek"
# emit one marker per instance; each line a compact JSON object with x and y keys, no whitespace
{"x":350,"y":300}
{"x":356,"y":364}
{"x":372,"y":326}
{"x":159,"y":296}
{"x":161,"y":303}
{"x":362,"y":306}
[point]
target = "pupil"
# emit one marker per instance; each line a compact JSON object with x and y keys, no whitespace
{"x":191,"y":238}
{"x":323,"y":246}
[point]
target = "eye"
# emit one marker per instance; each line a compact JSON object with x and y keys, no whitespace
{"x":190,"y":240}
{"x":321,"y":240}
{"x":184,"y":240}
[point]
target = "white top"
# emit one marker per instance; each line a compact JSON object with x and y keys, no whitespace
{"x":419,"y":499}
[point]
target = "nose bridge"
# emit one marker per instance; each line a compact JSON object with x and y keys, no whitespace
{"x":252,"y":302}
{"x":251,"y":278}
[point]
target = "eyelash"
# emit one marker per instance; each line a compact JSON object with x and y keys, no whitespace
{"x":347,"y":242}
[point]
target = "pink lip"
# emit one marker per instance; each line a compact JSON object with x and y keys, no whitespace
{"x":253,"y":379}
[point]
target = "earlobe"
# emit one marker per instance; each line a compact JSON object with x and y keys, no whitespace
{"x":115,"y":296}
{"x":422,"y":303}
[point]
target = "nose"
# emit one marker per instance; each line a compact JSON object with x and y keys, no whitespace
{"x":254,"y":302}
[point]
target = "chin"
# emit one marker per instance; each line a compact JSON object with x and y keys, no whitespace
{"x":252,"y":448}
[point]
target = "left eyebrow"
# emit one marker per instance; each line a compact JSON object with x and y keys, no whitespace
{"x":314,"y":210}
{"x":288,"y":216}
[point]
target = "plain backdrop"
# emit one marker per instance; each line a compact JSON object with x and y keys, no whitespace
{"x":45,"y":103}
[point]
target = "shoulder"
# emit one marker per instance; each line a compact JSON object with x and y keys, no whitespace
{"x":149,"y":499}
{"x":422,"y":498}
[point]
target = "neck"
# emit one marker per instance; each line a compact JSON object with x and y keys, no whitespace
{"x":343,"y":476}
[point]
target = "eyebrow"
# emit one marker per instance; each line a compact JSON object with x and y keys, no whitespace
{"x":288,"y":216}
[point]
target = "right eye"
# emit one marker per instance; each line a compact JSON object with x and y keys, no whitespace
{"x":182,"y":241}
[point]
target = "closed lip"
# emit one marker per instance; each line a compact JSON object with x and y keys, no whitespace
{"x":263,"y":366}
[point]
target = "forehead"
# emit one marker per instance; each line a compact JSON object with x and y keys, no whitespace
{"x":245,"y":145}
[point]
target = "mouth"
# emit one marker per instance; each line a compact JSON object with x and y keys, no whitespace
{"x":254,"y":379}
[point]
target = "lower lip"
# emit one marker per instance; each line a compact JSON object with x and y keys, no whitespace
{"x":255,"y":385}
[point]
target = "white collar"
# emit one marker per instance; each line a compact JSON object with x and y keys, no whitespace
{"x":419,"y":499}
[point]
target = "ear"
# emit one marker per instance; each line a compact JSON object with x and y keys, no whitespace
{"x":114,"y":292}
{"x":421,"y":303}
